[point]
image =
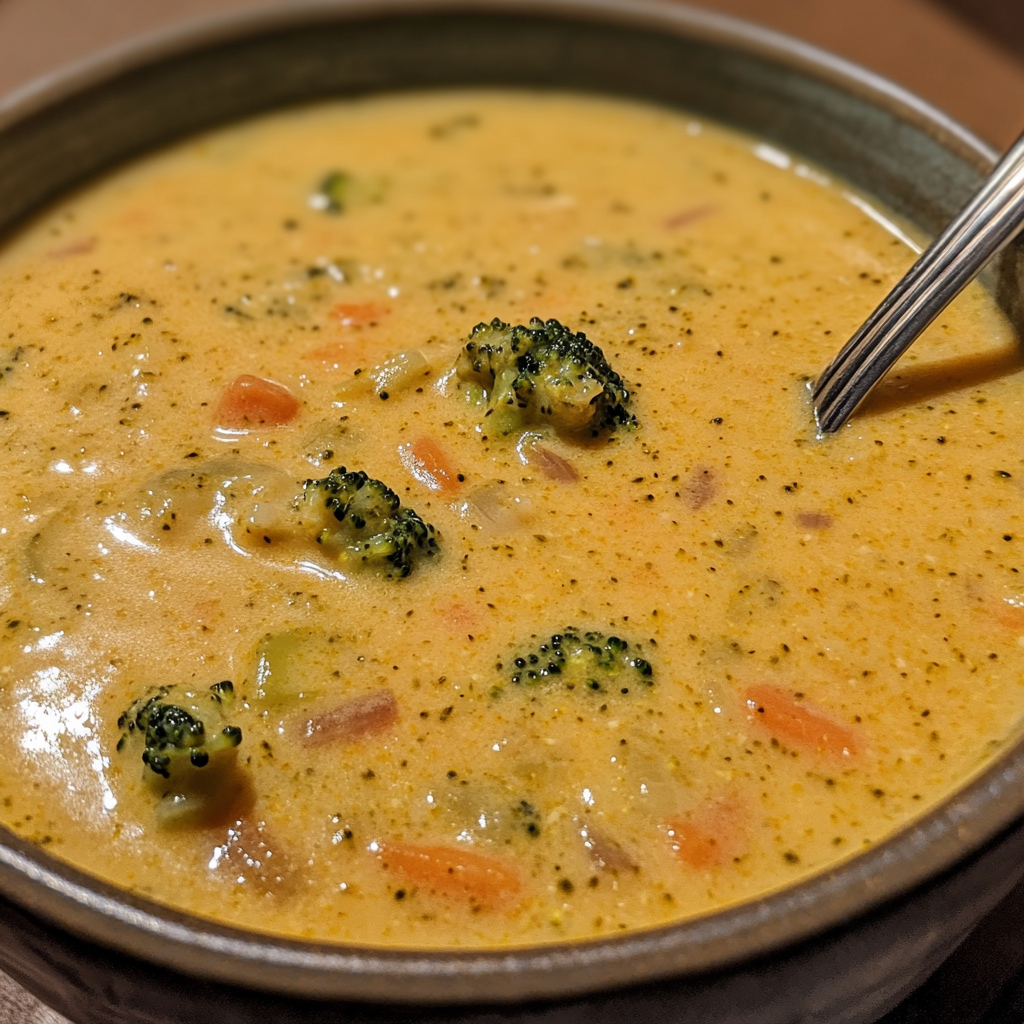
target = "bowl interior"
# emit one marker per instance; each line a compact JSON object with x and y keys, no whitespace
{"x":879,"y":139}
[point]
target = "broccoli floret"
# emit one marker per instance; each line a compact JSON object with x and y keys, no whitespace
{"x":360,"y":520}
{"x":542,"y":373}
{"x":186,"y":731}
{"x":579,"y":660}
{"x":338,"y":191}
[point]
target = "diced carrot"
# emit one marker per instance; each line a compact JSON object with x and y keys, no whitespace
{"x":358,"y":314}
{"x":779,"y":713}
{"x":425,"y":460}
{"x":459,"y":616}
{"x":706,"y":837}
{"x":250,"y":400}
{"x":136,"y":217}
{"x":1010,"y":616}
{"x":340,"y":355}
{"x":352,"y":720}
{"x":693,"y":844}
{"x":453,"y":872}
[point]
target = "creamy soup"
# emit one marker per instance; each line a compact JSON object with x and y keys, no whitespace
{"x":328,"y":612}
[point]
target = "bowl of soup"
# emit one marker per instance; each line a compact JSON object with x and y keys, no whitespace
{"x":424,"y":590}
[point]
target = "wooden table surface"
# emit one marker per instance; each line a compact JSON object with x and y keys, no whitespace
{"x":914,"y":42}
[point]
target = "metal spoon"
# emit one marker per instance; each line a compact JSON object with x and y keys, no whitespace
{"x":985,"y":225}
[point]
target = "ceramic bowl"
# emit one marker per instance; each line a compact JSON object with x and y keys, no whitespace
{"x":841,"y":946}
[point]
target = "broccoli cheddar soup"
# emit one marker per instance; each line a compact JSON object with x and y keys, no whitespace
{"x":413,"y":528}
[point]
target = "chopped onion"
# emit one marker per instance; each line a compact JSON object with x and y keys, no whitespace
{"x":494,"y":510}
{"x":400,"y":371}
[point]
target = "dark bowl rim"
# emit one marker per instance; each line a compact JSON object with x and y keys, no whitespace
{"x":78,"y":75}
{"x":989,"y":804}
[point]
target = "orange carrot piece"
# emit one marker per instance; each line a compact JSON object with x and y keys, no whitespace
{"x":707,"y":837}
{"x":425,"y":460}
{"x":777,"y":711}
{"x":1010,"y":616}
{"x":453,"y":872}
{"x":459,"y":616}
{"x":250,"y":400}
{"x":358,"y":314}
{"x":337,"y":355}
{"x":694,"y":844}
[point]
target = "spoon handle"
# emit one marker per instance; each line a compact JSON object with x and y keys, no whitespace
{"x":991,"y":219}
